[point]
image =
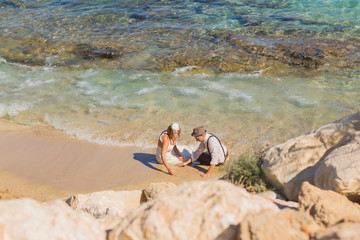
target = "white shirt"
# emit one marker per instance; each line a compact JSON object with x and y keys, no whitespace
{"x":217,"y":154}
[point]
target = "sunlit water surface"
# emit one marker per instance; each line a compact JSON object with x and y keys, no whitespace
{"x":125,"y":102}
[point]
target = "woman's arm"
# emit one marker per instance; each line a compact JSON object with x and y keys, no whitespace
{"x":177,"y":152}
{"x":165,"y":139}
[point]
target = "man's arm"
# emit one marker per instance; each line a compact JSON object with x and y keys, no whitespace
{"x":195,"y":155}
{"x":208,"y":173}
{"x":181,"y":164}
{"x":198,"y":152}
{"x":216,"y":154}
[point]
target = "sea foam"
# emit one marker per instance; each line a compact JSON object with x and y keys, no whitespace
{"x":13,"y":109}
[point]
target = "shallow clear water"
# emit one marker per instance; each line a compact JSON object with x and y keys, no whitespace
{"x":53,"y":70}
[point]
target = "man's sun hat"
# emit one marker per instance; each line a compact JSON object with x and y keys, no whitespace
{"x":175,"y":126}
{"x":198,"y":131}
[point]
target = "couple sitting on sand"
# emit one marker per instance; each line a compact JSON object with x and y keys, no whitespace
{"x":168,"y":153}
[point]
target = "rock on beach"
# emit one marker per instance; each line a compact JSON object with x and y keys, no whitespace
{"x":204,"y":210}
{"x":327,"y":207}
{"x":196,"y":210}
{"x":28,"y":219}
{"x":154,"y":190}
{"x":328,"y":157}
{"x":286,"y":224}
{"x":100,"y":204}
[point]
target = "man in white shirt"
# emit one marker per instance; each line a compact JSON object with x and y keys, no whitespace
{"x":216,"y":152}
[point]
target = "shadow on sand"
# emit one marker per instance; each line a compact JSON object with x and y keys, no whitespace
{"x":148,"y":160}
{"x":200,"y":168}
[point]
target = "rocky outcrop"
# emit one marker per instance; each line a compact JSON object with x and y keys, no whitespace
{"x":340,"y":170}
{"x":327,"y":207}
{"x":100,"y":204}
{"x":90,"y":53}
{"x":195,"y":210}
{"x":214,"y":51}
{"x":278,"y":200}
{"x":282,"y":204}
{"x":29,"y":219}
{"x":154,"y":190}
{"x":331,"y":153}
{"x":271,"y":195}
{"x":343,"y":231}
{"x":286,"y":225}
{"x":302,"y":55}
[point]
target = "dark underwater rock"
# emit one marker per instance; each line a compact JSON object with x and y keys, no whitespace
{"x":90,"y":53}
{"x":306,"y":55}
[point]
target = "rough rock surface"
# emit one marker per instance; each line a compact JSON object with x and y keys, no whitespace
{"x":326,"y":206}
{"x":333,"y":148}
{"x":302,"y":55}
{"x":99,"y":204}
{"x":286,"y":224}
{"x":195,"y":210}
{"x":109,"y":222}
{"x":343,"y":231}
{"x":271,"y":195}
{"x":31,"y":220}
{"x":340,"y":170}
{"x":153,"y":190}
{"x":282,"y":204}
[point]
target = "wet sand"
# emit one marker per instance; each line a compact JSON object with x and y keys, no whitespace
{"x":42,"y":163}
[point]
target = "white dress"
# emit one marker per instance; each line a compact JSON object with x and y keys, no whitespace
{"x":171,"y":157}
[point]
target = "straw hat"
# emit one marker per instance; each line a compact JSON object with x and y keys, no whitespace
{"x":198,"y":131}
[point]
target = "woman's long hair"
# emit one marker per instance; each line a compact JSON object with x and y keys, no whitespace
{"x":171,"y":134}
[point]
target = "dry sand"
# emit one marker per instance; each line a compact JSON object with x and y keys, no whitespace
{"x":43,"y":164}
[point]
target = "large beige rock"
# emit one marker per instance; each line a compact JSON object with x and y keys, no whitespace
{"x":285,"y":225}
{"x":327,"y":207}
{"x":108,"y":222}
{"x":282,"y":204}
{"x":342,"y":231}
{"x":278,"y":200}
{"x":31,"y":220}
{"x":271,"y":195}
{"x":340,"y":170}
{"x":99,"y":204}
{"x":289,"y":164}
{"x":194,"y":210}
{"x":154,"y":190}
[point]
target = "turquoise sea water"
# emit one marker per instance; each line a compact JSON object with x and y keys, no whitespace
{"x":119,"y":72}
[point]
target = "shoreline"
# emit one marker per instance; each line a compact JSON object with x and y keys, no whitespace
{"x":44,"y":164}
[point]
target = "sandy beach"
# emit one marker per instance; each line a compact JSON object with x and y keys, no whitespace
{"x":44,"y":164}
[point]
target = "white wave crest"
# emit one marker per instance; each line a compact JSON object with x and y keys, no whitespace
{"x":183,"y":69}
{"x":88,"y":73}
{"x":191,"y":91}
{"x":84,"y":135}
{"x":13,"y":109}
{"x":235,"y":94}
{"x":302,"y":101}
{"x":147,"y":90}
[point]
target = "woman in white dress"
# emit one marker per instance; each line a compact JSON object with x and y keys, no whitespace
{"x":167,"y":152}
